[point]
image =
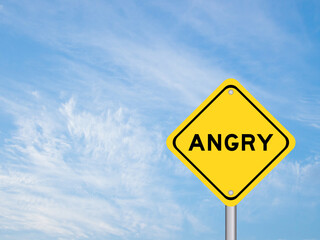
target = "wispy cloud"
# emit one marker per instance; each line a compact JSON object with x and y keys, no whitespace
{"x":308,"y":111}
{"x":86,"y":155}
{"x":123,"y":40}
{"x":71,"y":173}
{"x":291,"y":185}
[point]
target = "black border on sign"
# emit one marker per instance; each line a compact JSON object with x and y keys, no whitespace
{"x":212,"y":184}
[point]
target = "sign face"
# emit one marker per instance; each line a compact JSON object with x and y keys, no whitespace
{"x":230,"y":142}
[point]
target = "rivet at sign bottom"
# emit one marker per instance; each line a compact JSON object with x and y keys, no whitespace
{"x":230,"y":91}
{"x":230,"y":192}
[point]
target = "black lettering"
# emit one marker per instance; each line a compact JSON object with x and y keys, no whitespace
{"x":217,"y":144}
{"x":247,"y":142}
{"x":196,"y":142}
{"x":265,"y":141}
{"x":234,"y":144}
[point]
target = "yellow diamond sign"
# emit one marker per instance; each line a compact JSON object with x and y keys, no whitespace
{"x":230,"y":142}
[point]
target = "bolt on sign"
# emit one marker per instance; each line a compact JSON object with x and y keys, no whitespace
{"x":230,"y":142}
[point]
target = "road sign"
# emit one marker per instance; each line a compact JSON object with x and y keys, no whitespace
{"x":230,"y":142}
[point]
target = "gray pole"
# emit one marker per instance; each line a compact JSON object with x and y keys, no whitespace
{"x":231,"y":223}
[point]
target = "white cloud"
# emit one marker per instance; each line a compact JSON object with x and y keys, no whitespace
{"x":136,"y":49}
{"x":308,"y":111}
{"x":140,"y":53}
{"x":89,"y":167}
{"x":292,"y":184}
{"x":247,"y":28}
{"x":70,"y":173}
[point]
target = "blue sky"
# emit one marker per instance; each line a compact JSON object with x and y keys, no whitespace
{"x":89,"y":91}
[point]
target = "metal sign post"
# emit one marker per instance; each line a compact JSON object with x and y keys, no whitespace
{"x":231,"y":223}
{"x":230,"y":142}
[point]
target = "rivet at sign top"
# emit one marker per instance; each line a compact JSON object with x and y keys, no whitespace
{"x":230,"y":192}
{"x":230,"y":91}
